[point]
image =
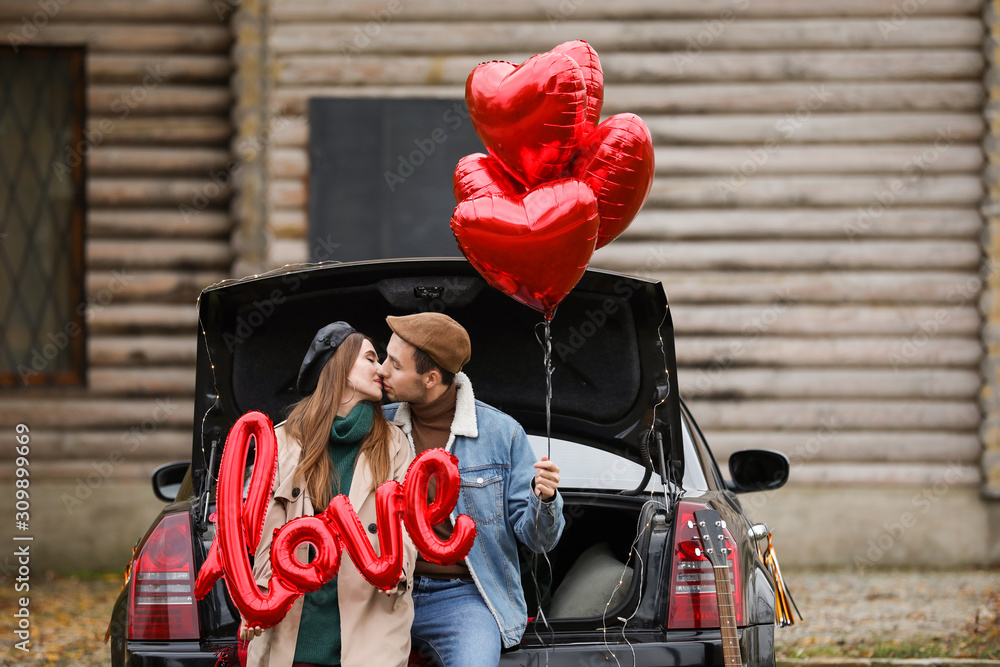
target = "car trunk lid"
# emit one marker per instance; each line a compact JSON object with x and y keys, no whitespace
{"x":612,"y":348}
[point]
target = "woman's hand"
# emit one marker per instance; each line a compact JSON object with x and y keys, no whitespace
{"x":246,"y":634}
{"x":393,"y":591}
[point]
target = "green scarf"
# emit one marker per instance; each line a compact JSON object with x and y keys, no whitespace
{"x":319,"y":638}
{"x":353,"y":427}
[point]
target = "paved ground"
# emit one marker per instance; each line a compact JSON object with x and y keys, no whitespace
{"x":846,"y":614}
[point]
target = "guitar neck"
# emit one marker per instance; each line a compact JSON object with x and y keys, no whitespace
{"x":727,"y":617}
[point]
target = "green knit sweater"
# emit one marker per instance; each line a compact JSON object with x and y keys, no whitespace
{"x":319,"y":630}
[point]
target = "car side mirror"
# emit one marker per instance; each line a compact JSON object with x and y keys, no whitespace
{"x":757,"y":470}
{"x":167,"y":480}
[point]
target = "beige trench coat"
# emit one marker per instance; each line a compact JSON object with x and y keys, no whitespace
{"x":375,"y":628}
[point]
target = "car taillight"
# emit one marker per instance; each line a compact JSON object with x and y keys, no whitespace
{"x":693,"y":601}
{"x":162,"y":605}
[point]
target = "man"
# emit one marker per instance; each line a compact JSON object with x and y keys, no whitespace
{"x":465,"y":612}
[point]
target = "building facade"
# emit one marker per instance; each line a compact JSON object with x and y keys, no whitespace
{"x":822,"y":219}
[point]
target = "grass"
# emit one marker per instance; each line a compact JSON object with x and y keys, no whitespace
{"x":956,"y":646}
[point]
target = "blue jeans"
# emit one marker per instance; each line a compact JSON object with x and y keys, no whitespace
{"x":453,"y":625}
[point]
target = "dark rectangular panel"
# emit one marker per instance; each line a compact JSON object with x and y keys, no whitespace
{"x":380,"y":176}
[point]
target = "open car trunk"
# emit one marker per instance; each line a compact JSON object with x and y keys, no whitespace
{"x":608,"y":565}
{"x":614,"y":363}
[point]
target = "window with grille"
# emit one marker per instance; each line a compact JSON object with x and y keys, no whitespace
{"x":42,"y":150}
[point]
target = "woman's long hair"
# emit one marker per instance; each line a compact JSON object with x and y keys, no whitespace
{"x":310,"y":421}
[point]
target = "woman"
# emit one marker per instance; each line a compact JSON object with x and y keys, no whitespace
{"x":336,"y":441}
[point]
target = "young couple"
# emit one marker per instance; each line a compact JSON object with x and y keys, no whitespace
{"x":339,"y":440}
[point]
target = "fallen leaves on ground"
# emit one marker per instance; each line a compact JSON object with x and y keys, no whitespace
{"x":69,"y":615}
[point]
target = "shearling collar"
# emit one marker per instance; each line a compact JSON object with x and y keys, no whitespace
{"x":464,"y":423}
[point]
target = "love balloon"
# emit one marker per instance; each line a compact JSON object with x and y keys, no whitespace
{"x":550,"y":164}
{"x":336,"y":528}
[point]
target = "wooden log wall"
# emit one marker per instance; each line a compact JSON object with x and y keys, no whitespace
{"x":815,"y":214}
{"x":158,"y":225}
{"x":989,"y":303}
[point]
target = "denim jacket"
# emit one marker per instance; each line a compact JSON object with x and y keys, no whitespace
{"x":496,"y":465}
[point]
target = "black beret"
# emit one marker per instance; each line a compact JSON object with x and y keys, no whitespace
{"x":324,"y":344}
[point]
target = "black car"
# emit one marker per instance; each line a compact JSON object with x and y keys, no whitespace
{"x":629,"y":582}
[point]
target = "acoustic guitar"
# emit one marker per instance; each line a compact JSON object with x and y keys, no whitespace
{"x":715,"y":548}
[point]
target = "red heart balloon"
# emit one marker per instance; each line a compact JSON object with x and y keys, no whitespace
{"x":480,"y":174}
{"x":532,"y":116}
{"x":616,"y":161}
{"x":533,"y":248}
{"x":586,"y":57}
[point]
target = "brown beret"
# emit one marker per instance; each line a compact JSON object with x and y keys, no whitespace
{"x":442,"y":338}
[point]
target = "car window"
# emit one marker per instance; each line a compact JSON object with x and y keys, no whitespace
{"x":700,"y":447}
{"x":585,"y":467}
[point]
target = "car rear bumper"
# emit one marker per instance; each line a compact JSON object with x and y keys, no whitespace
{"x":155,"y":654}
{"x":756,"y":646}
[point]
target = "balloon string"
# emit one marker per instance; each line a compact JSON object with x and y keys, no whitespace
{"x":548,"y":386}
{"x":546,"y":342}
